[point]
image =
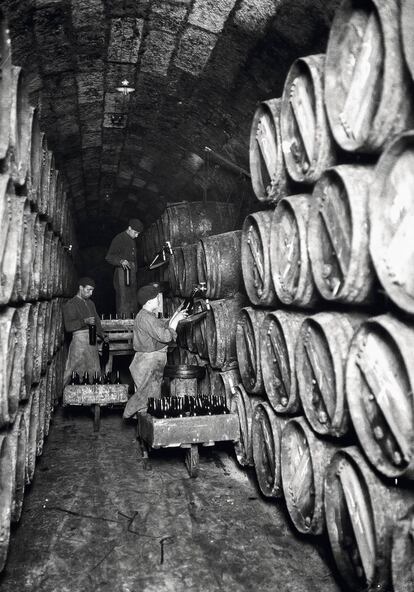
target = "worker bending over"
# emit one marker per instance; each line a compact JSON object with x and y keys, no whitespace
{"x":151,"y":339}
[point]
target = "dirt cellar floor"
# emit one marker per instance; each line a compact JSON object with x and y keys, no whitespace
{"x":97,"y":519}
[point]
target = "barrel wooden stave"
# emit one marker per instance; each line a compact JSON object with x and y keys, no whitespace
{"x":266,"y":438}
{"x":255,"y":256}
{"x":391,"y":214}
{"x":366,"y":110}
{"x":360,"y":512}
{"x":35,"y":160}
{"x":31,"y":418}
{"x":9,"y":238}
{"x":219,"y":264}
{"x":304,"y":459}
{"x":11,"y":361}
{"x":407,"y":26}
{"x":289,"y":259}
{"x":321,"y":353}
{"x":379,"y":388}
{"x":267,"y":166}
{"x":307,"y":142}
{"x":20,"y":127}
{"x":248,"y":348}
{"x":338,"y":235}
{"x":23,"y":220}
{"x":221,"y":322}
{"x":278,"y":337}
{"x":230,"y":379}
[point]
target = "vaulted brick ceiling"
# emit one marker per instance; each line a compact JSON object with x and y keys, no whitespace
{"x":198,"y":68}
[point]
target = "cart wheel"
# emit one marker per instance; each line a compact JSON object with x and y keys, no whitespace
{"x":97,"y":418}
{"x":191,"y":460}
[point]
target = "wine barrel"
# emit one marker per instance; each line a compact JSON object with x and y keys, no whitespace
{"x":243,"y":405}
{"x":321,"y":353}
{"x":255,"y":247}
{"x":183,"y":270}
{"x":266,"y":438}
{"x":304,"y":459}
{"x":221,"y":322}
{"x":219,"y":264}
{"x":39,"y":363}
{"x":360,"y":512}
{"x":391,"y":212}
{"x":31,"y":418}
{"x":184,"y":223}
{"x":5,"y":84}
{"x":402,"y":558}
{"x":278,"y":337}
{"x":23,"y":318}
{"x":407,"y":26}
{"x":6,"y":493}
{"x":50,"y":394}
{"x":11,"y":350}
{"x":208,"y":381}
{"x":20,"y":127}
{"x":289,"y":259}
{"x":37,"y":247}
{"x":35,"y":161}
{"x":307,"y":142}
{"x":367,"y":86}
{"x":267,"y":165}
{"x":17,"y":439}
{"x":47,"y":270}
{"x":248,"y":348}
{"x":379,"y":388}
{"x":9,"y":238}
{"x":53,"y":180}
{"x":200,"y":334}
{"x":338,"y":235}
{"x":42,"y":203}
{"x":23,"y":219}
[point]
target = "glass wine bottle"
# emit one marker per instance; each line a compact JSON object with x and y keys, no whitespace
{"x":74,"y":379}
{"x":92,"y":333}
{"x":118,"y":378}
{"x":85,"y":378}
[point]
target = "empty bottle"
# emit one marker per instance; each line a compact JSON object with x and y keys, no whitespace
{"x":74,"y":379}
{"x":92,"y":333}
{"x":127,"y":276}
{"x":85,"y":378}
{"x":118,"y":378}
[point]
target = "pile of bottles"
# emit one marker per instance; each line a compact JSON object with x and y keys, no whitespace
{"x":118,"y":317}
{"x":187,"y":406}
{"x":98,"y":378}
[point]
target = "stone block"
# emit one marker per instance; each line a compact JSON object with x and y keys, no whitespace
{"x":167,"y":17}
{"x":125,"y":39}
{"x":91,"y":139}
{"x":253,"y":17}
{"x":90,"y":87}
{"x":159,"y":46}
{"x":210,"y":14}
{"x":194,"y":50}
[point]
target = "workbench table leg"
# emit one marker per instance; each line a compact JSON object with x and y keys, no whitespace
{"x":192,"y":460}
{"x":97,"y":418}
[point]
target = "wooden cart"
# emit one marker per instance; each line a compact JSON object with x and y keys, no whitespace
{"x":96,"y":395}
{"x":187,"y":433}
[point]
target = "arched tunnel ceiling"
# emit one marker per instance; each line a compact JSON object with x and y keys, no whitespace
{"x":198,"y":68}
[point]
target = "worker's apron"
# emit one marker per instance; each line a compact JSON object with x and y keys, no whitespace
{"x":82,"y":357}
{"x":126,"y":296}
{"x":147,"y":369}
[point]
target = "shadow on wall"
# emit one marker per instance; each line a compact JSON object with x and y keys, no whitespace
{"x":93,"y":264}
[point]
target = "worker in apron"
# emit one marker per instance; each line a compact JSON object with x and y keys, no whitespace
{"x":79,"y":313}
{"x":151,"y":338}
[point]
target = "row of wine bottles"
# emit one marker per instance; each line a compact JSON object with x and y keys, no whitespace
{"x":187,"y":406}
{"x":98,"y":378}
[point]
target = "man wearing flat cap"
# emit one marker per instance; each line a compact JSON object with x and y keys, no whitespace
{"x":78,"y":313}
{"x":151,"y":338}
{"x":122,"y":255}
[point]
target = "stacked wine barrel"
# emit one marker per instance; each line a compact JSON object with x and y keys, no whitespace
{"x":326,"y":347}
{"x":205,"y":248}
{"x":37,"y":273}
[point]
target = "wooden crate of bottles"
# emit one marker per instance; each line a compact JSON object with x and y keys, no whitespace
{"x":95,"y":394}
{"x":195,"y":425}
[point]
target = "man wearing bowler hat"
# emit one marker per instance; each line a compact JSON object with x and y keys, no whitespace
{"x":122,"y":255}
{"x":151,"y":338}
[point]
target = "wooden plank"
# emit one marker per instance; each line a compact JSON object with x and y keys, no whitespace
{"x":265,"y":137}
{"x":360,"y":518}
{"x":117,"y":325}
{"x":253,"y":242}
{"x":360,"y":102}
{"x":280,"y":361}
{"x":301,"y":480}
{"x":188,"y":430}
{"x":384,"y":388}
{"x":304,"y":115}
{"x":101,"y":394}
{"x":250,"y":347}
{"x":337,"y":235}
{"x":317,"y":370}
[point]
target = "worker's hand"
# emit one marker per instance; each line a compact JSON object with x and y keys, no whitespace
{"x":181,"y":314}
{"x":125,"y":264}
{"x":90,"y":320}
